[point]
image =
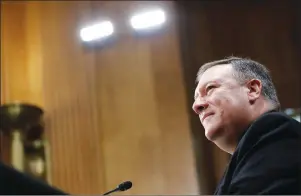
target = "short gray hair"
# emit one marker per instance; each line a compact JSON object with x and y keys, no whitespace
{"x":247,"y":69}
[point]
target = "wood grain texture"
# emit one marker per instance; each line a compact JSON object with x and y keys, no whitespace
{"x":112,"y":114}
{"x":14,"y":83}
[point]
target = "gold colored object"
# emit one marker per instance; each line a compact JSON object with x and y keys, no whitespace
{"x":29,"y":151}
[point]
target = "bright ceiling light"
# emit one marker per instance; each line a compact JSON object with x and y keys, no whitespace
{"x":148,"y":19}
{"x":97,"y":31}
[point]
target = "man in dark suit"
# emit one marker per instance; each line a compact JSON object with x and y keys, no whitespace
{"x":238,"y":107}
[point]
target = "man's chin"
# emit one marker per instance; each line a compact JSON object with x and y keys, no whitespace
{"x":211,"y":134}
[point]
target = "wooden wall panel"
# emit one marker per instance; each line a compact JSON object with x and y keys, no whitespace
{"x":20,"y":54}
{"x":13,"y":52}
{"x":154,"y":62}
{"x":114,"y":113}
{"x":72,"y":120}
{"x":2,"y":68}
{"x":14,"y":78}
{"x":170,"y":91}
{"x":34,"y":52}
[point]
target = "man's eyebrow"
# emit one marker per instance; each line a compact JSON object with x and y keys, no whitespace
{"x":203,"y":85}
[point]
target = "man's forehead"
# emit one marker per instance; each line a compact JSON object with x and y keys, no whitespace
{"x":217,"y":73}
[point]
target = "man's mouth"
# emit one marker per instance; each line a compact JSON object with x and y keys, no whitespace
{"x":206,"y":115}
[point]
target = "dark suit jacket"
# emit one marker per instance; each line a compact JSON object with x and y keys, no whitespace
{"x":13,"y":182}
{"x":267,"y":159}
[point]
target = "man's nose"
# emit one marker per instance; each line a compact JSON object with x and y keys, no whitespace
{"x":199,"y":105}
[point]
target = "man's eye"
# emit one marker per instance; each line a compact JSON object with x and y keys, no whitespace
{"x":209,"y":88}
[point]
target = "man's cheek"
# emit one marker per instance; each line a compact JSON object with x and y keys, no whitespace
{"x":217,"y":100}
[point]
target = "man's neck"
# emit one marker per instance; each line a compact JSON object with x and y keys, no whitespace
{"x":257,"y":111}
{"x":263,"y":106}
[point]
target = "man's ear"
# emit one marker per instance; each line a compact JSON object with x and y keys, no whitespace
{"x":254,"y":89}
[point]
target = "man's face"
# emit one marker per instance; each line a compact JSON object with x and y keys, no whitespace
{"x":221,"y":103}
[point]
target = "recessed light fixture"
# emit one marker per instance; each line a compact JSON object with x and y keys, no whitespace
{"x":97,"y":31}
{"x":148,"y":19}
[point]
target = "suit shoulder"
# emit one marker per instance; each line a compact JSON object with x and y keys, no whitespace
{"x":271,"y":124}
{"x":274,"y":120}
{"x":269,"y":128}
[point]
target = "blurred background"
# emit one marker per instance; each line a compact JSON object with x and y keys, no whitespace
{"x":106,"y":87}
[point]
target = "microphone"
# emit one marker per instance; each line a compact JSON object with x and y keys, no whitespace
{"x":121,"y":187}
